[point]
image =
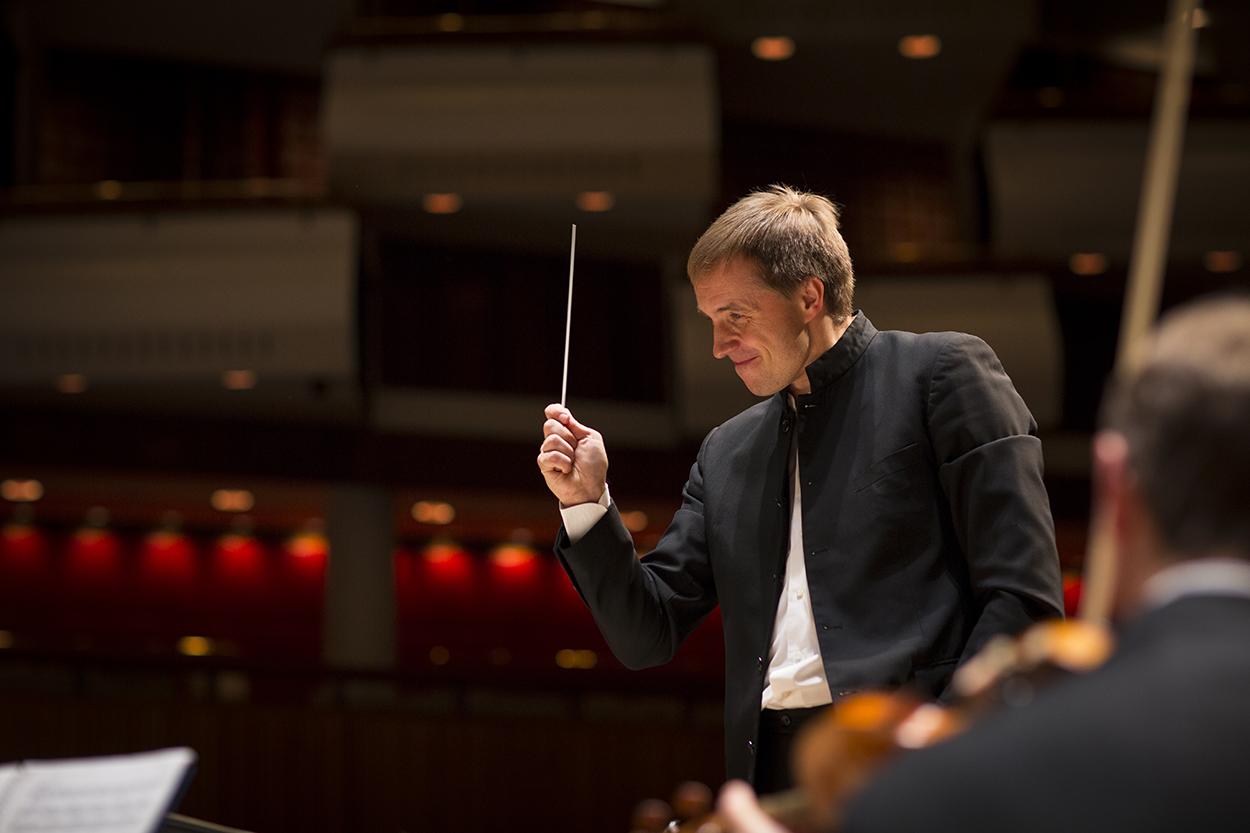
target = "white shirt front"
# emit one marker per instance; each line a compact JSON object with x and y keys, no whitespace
{"x":796,"y":672}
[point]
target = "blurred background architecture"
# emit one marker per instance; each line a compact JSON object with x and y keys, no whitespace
{"x":282,"y":297}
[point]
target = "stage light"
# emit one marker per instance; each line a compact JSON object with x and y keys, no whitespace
{"x":634,"y":521}
{"x":440,"y":655}
{"x":773,"y":48}
{"x":919,"y":47}
{"x":572,"y":658}
{"x":238,"y":379}
{"x":511,"y":556}
{"x":1088,"y":263}
{"x":109,"y":189}
{"x":232,"y":500}
{"x":21,"y":490}
{"x":71,"y":383}
{"x":436,"y":512}
{"x":595,"y":200}
{"x":196,"y":646}
{"x":309,"y":543}
{"x":442,"y":203}
{"x":6,"y":639}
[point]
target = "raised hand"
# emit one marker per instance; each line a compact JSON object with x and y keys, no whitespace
{"x":572,"y":458}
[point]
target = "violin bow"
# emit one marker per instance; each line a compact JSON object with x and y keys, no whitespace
{"x":1147,"y":261}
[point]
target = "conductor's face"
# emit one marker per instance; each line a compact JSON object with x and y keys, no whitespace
{"x":757,"y":328}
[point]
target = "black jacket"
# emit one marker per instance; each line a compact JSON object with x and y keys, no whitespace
{"x":1155,"y":740}
{"x":926,"y":527}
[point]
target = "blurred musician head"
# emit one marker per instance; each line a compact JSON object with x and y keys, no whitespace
{"x":1172,"y":459}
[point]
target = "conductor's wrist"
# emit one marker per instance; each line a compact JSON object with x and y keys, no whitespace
{"x":579,"y":518}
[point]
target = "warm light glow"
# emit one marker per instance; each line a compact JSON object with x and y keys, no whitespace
{"x":109,"y":189}
{"x":450,"y":22}
{"x":6,"y":639}
{"x":21,"y":490}
{"x":634,"y":521}
{"x":232,"y":500}
{"x":1088,"y":263}
{"x":308,"y":545}
{"x":570,"y":658}
{"x":196,"y":646}
{"x":920,"y":46}
{"x":907,"y":252}
{"x":238,"y":379}
{"x":93,"y":554}
{"x":595,"y":200}
{"x":239,"y":560}
{"x":1050,"y":97}
{"x":443,"y":553}
{"x":442,"y":203}
{"x":1201,"y":19}
{"x":1225,"y":261}
{"x":433,"y":512}
{"x":440,"y":655}
{"x":773,"y":48}
{"x":168,"y":556}
{"x":512,"y":555}
{"x":71,"y":383}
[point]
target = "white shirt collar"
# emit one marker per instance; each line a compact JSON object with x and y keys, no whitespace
{"x":1198,"y":577}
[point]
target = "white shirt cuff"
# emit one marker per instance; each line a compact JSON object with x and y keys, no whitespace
{"x":580,"y":518}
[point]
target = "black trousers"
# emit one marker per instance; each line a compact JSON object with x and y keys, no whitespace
{"x":778,"y":728}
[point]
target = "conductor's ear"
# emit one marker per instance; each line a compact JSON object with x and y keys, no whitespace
{"x":812,"y":295}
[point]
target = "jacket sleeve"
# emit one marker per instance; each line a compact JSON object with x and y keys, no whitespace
{"x":989,"y":462}
{"x":645,"y":607}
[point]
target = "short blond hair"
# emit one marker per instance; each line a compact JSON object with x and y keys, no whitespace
{"x":789,"y":236}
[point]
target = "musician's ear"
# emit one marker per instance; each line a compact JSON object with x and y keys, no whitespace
{"x":1119,"y":508}
{"x":1113,"y":481}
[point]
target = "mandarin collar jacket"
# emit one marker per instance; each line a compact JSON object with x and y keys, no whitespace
{"x":926,"y":527}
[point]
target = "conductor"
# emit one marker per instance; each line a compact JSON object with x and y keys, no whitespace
{"x":872,"y":523}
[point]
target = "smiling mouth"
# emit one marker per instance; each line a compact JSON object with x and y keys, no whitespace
{"x":744,"y":361}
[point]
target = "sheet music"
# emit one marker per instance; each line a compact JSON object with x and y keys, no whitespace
{"x":112,"y":794}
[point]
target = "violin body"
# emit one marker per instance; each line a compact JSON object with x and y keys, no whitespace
{"x":837,"y":753}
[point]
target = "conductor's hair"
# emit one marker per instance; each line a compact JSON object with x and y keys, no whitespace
{"x":788,"y":236}
{"x":1185,"y":412}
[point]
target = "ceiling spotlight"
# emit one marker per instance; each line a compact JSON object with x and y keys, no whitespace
{"x":1088,"y":263}
{"x":71,"y":383}
{"x":595,"y":200}
{"x":109,"y":189}
{"x":433,"y":512}
{"x":232,"y":500}
{"x":21,"y":490}
{"x":919,"y":47}
{"x":442,"y":203}
{"x":238,"y":379}
{"x":774,"y":48}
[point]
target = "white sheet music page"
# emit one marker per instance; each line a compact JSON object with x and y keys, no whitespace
{"x":110,"y":794}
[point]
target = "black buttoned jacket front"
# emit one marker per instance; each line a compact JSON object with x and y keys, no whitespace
{"x":926,"y":527}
